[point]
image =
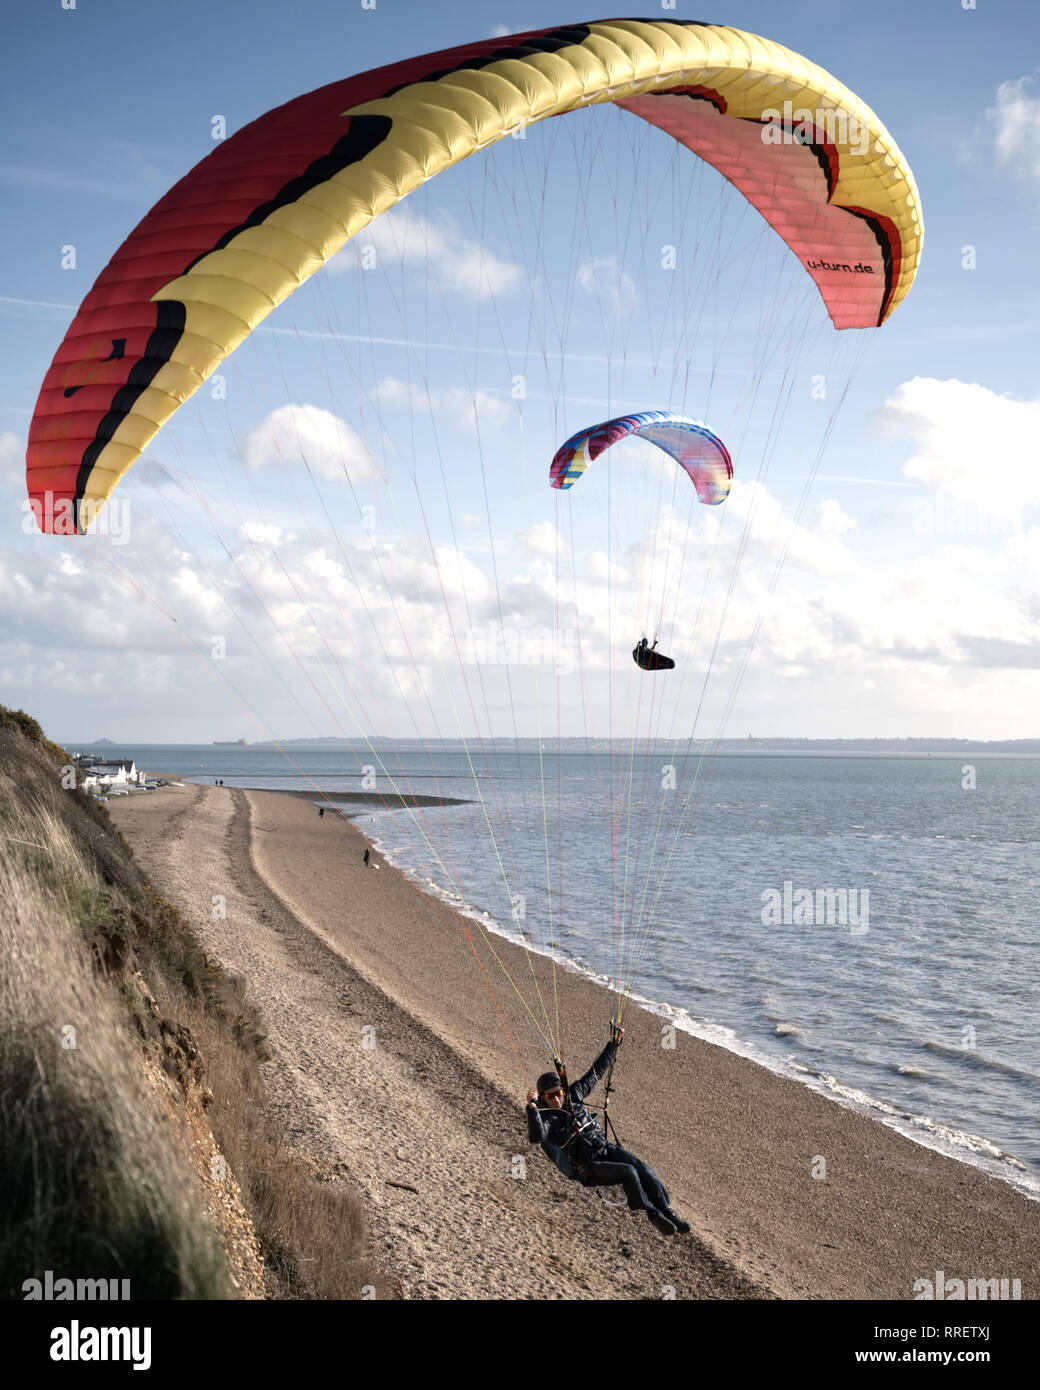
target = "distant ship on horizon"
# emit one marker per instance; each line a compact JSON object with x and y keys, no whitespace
{"x":229,"y":743}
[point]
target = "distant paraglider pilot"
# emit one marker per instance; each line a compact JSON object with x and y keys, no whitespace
{"x":649,"y":659}
{"x":571,"y":1137}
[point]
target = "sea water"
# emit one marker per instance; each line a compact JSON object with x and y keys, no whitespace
{"x":919,"y":1007}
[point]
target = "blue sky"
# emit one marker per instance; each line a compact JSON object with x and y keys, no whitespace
{"x":907,"y":599}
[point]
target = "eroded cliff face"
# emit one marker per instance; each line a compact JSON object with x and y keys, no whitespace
{"x":104,"y":1086}
{"x":175,"y":1073}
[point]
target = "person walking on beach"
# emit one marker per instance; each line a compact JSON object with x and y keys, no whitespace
{"x":367,"y":857}
{"x":321,"y":812}
{"x":579,"y":1147}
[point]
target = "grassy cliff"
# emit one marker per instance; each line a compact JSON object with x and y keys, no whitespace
{"x":133,"y":1143}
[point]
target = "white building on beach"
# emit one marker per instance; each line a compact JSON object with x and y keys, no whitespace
{"x":100,"y":775}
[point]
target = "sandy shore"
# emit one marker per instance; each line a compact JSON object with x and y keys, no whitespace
{"x":391,"y":1066}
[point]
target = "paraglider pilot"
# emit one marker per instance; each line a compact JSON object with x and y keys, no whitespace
{"x":559,"y":1121}
{"x":648,"y":658}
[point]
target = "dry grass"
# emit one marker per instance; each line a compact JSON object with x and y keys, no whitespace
{"x":93,"y":1182}
{"x":93,"y":1186}
{"x":311,"y":1232}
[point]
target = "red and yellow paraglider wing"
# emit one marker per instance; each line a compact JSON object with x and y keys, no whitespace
{"x":268,"y":207}
{"x":815,"y":162}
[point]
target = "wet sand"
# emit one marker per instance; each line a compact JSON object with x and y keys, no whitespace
{"x":391,"y":1066}
{"x":386,"y":801}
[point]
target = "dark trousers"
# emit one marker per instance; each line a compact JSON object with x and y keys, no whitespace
{"x":643,"y":1188}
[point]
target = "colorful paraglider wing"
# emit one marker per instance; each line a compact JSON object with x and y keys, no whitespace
{"x":270,"y":205}
{"x":690,"y":442}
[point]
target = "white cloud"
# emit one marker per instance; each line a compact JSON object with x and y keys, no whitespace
{"x":261,"y":533}
{"x":604,"y":279}
{"x":12,"y":456}
{"x":468,"y":411}
{"x":545,"y":541}
{"x":972,"y":444}
{"x":202,"y":599}
{"x":306,"y":432}
{"x":936,"y":635}
{"x":457,"y":263}
{"x":832,"y":520}
{"x":1016,"y":118}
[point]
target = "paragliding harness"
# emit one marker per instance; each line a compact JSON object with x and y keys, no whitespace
{"x":582,"y":1156}
{"x":648,"y":659}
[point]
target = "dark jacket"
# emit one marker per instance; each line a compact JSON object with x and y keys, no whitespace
{"x":573,"y":1138}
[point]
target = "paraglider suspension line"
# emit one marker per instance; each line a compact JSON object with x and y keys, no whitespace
{"x":608,"y":1123}
{"x":561,"y":1072}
